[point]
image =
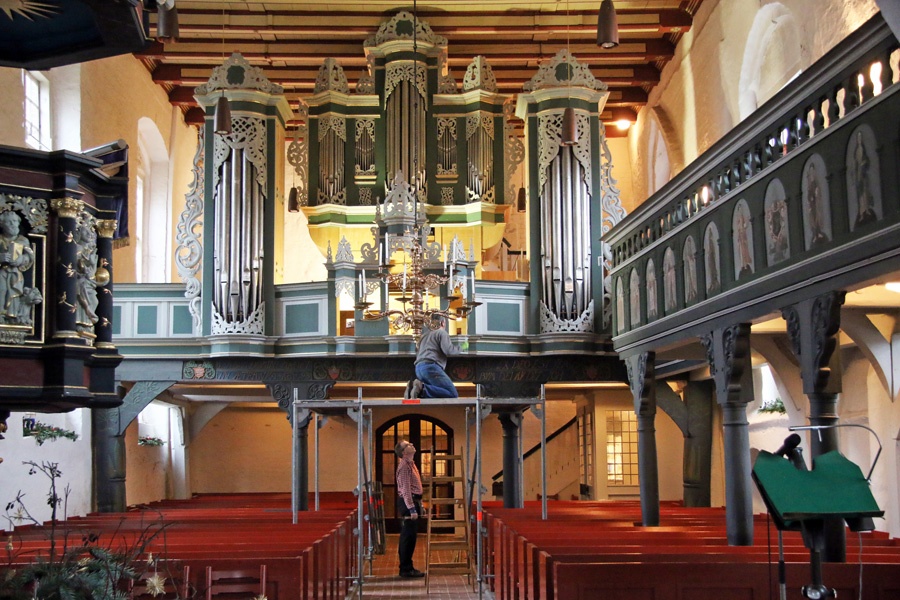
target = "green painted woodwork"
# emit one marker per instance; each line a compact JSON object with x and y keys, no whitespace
{"x":182,"y":322}
{"x":503,"y":316}
{"x":301,"y":318}
{"x":147,"y":320}
{"x":117,"y":320}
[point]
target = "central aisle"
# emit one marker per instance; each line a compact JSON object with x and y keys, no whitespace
{"x":384,"y":583}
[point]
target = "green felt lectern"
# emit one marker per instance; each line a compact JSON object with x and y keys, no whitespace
{"x":801,"y":500}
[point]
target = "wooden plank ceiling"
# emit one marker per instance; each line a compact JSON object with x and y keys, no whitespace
{"x":289,"y":40}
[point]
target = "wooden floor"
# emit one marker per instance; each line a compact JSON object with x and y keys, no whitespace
{"x":384,"y":583}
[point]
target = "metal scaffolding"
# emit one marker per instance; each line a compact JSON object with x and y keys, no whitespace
{"x":360,"y":410}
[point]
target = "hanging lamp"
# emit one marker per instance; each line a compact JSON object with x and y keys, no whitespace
{"x":569,"y":133}
{"x":293,"y":201}
{"x":521,"y":200}
{"x":607,"y":25}
{"x":167,"y":20}
{"x":222,"y":120}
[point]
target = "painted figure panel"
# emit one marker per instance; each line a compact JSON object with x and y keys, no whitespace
{"x":620,"y":306}
{"x":670,"y":292}
{"x":742,"y":241}
{"x":689,"y":255}
{"x":863,"y":179}
{"x":652,"y":297}
{"x":778,"y":241}
{"x":711,"y":259}
{"x":634,"y":295}
{"x":816,"y":202}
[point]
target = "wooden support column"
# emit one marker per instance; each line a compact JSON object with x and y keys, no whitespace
{"x":108,"y":443}
{"x":728,"y":353}
{"x":511,"y":421}
{"x":812,"y":327}
{"x":641,"y":375}
{"x":283,"y":394}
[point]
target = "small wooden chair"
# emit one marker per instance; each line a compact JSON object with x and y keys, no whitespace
{"x":172,"y":587}
{"x":222,"y":583}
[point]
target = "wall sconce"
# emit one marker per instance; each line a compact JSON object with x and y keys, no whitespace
{"x":607,"y":25}
{"x":28,"y":422}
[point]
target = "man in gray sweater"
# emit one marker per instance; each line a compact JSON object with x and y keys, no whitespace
{"x":431,"y":360}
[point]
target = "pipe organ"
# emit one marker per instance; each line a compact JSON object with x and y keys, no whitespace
{"x":575,"y":190}
{"x":242,"y":170}
{"x":406,"y":114}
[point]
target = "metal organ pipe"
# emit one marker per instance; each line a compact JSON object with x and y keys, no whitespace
{"x":238,"y":238}
{"x":565,"y":237}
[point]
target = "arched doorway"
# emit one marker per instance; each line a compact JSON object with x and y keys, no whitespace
{"x":428,"y":435}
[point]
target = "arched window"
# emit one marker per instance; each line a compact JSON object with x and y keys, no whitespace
{"x":659,"y":170}
{"x":774,"y":55}
{"x":153,"y":207}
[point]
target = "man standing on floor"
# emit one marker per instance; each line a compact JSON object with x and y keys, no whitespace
{"x":409,"y":506}
{"x":431,"y":360}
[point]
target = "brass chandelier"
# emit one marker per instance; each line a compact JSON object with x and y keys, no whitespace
{"x":415,"y":282}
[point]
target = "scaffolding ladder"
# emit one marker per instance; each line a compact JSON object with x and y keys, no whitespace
{"x":450,"y":511}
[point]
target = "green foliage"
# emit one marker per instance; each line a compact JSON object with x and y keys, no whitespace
{"x":69,"y":569}
{"x":147,"y":440}
{"x":775,"y":406}
{"x":41,"y":432}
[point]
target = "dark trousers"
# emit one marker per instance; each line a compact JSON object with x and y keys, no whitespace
{"x":408,"y":533}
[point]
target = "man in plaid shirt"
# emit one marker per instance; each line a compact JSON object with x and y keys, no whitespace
{"x":409,"y":506}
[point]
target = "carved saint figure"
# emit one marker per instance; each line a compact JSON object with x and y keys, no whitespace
{"x":16,"y":258}
{"x":85,"y":274}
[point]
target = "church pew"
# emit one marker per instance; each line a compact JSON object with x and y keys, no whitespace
{"x":748,"y":581}
{"x":519,"y":575}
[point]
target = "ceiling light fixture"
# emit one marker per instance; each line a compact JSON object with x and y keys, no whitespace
{"x":167,"y":20}
{"x":222,"y":120}
{"x":569,"y":133}
{"x":607,"y":26}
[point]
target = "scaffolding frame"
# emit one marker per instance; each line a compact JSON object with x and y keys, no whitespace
{"x":481,"y":408}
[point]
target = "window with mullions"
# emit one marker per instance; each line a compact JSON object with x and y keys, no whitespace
{"x":621,"y":448}
{"x":37,"y":110}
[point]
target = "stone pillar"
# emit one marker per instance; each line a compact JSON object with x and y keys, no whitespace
{"x":641,"y":374}
{"x":812,"y":327}
{"x":728,"y":353}
{"x":512,"y":487}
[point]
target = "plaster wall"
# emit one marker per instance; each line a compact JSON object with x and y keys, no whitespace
{"x":147,"y":469}
{"x":73,"y":459}
{"x":700,"y":87}
{"x":248,"y":448}
{"x":12,"y":111}
{"x":115,"y":94}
